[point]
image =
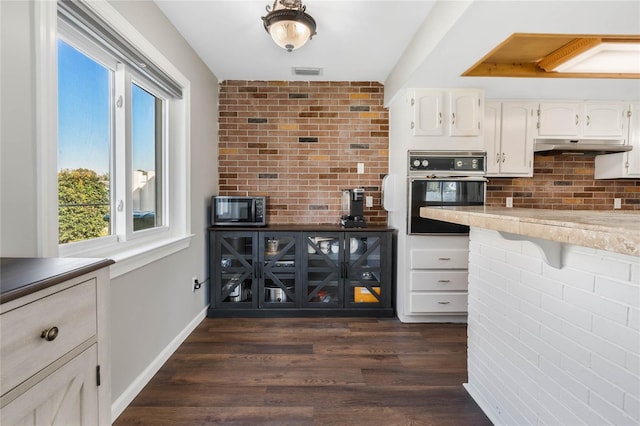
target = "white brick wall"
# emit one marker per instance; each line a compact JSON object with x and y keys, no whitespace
{"x":553,"y":346}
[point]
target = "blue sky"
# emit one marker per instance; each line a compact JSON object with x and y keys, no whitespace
{"x":84,"y":111}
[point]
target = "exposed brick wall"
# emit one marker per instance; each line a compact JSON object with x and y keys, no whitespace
{"x":564,"y":183}
{"x":298,"y":143}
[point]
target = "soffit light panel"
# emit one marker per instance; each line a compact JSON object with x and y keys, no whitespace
{"x":288,"y":24}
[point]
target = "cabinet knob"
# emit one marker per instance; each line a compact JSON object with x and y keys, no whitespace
{"x":453,"y":118}
{"x":444,"y":258}
{"x":49,"y":334}
{"x":588,"y":120}
{"x":444,"y":281}
{"x":443,"y":303}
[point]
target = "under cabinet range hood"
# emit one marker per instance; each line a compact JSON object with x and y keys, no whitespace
{"x":579,"y":146}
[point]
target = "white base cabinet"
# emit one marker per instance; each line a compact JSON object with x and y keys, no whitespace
{"x":438,"y":281}
{"x":54,"y":356}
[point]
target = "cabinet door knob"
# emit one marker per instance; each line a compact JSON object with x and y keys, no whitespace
{"x":443,"y":303}
{"x":444,"y":281}
{"x":49,"y":334}
{"x":444,"y":258}
{"x":453,"y":118}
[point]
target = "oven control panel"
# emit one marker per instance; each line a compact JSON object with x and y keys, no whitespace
{"x":453,"y":163}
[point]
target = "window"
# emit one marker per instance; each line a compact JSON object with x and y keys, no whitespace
{"x":93,"y":117}
{"x":121,"y":169}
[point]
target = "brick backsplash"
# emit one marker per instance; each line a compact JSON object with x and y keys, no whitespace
{"x":298,"y":143}
{"x":564,"y":183}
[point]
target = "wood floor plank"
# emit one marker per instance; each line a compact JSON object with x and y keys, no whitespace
{"x":311,"y":371}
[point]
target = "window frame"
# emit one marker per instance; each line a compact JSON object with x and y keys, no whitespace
{"x":134,"y":249}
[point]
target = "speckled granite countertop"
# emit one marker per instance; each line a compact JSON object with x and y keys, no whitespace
{"x":605,"y":230}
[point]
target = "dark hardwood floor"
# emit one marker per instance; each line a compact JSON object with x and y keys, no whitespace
{"x":312,"y":371}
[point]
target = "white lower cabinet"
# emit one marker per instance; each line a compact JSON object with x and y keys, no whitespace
{"x":54,"y":367}
{"x":438,"y":281}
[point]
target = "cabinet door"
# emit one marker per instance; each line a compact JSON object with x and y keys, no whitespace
{"x":464,"y":113}
{"x":68,"y":396}
{"x":492,"y":136}
{"x":428,"y":113}
{"x":278,"y":279}
{"x":235,"y":284}
{"x":366,"y":284}
{"x":517,"y":128}
{"x":633,"y":156}
{"x":559,"y":119}
{"x":604,"y":120}
{"x":323,"y":269}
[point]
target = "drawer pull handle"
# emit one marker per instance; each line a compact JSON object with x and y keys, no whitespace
{"x":49,"y":334}
{"x":444,"y":281}
{"x":444,"y":258}
{"x":443,"y":303}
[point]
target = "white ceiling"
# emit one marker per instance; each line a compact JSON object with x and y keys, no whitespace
{"x":411,"y":43}
{"x":356,"y":40}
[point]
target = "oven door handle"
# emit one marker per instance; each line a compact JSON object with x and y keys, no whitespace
{"x":447,"y":179}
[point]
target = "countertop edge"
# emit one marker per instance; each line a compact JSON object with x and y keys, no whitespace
{"x":48,"y":281}
{"x":601,"y":237}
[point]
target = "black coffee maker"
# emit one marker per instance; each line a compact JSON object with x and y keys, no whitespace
{"x":353,"y":208}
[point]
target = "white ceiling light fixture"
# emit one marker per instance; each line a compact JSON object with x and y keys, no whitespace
{"x":288,"y":24}
{"x":605,"y":58}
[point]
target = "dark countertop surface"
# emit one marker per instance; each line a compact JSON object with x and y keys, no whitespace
{"x":20,"y":276}
{"x":306,"y":227}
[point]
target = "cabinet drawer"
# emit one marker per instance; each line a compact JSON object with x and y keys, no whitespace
{"x":438,"y":280}
{"x":24,"y":352}
{"x":439,"y":259}
{"x":438,"y":302}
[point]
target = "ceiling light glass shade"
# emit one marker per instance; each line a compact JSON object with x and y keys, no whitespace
{"x":605,"y":58}
{"x":288,"y":24}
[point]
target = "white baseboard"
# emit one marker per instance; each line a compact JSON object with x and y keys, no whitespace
{"x":123,"y":401}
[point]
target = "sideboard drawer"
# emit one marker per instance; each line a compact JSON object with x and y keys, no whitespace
{"x":24,"y":350}
{"x":438,"y":302}
{"x":439,"y":259}
{"x":455,"y":280}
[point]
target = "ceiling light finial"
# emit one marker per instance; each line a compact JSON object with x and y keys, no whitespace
{"x":288,"y":24}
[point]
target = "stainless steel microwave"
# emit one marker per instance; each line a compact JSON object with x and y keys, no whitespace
{"x":238,"y":211}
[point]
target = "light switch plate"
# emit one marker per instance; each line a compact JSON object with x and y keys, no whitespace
{"x":509,"y":202}
{"x":617,"y":203}
{"x":369,"y":201}
{"x":360,"y":168}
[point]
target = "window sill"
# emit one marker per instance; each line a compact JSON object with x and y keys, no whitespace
{"x":139,"y":256}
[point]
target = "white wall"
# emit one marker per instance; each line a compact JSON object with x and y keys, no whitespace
{"x":483,"y":25}
{"x":17,"y":132}
{"x":152,"y":305}
{"x":553,"y":346}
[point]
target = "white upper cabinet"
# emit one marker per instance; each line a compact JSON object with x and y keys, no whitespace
{"x":509,"y":129}
{"x":590,"y":120}
{"x":437,"y":112}
{"x":428,"y":113}
{"x":623,"y":164}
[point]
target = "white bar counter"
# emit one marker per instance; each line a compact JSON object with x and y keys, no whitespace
{"x":552,"y":342}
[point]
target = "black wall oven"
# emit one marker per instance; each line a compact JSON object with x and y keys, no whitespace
{"x":443,"y":178}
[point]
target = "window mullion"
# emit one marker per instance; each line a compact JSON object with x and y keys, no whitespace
{"x":122,"y":153}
